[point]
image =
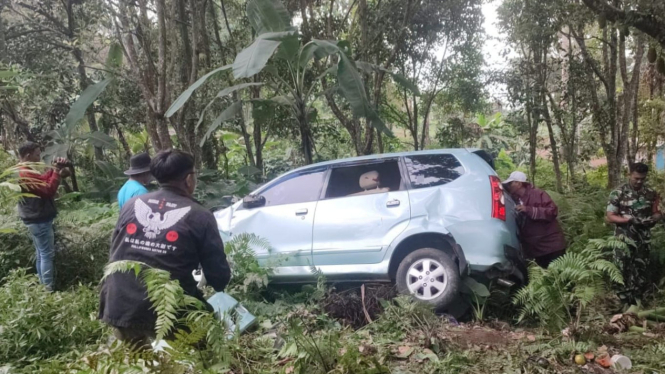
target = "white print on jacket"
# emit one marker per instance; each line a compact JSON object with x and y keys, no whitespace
{"x":153,"y":223}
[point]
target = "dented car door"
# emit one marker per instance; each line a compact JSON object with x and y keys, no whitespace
{"x":285,"y":220}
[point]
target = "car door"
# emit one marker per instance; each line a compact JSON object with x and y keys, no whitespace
{"x":286,"y":218}
{"x":357,"y":227}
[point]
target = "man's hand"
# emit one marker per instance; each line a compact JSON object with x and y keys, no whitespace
{"x":60,"y":162}
{"x":65,"y":172}
{"x":520,"y":208}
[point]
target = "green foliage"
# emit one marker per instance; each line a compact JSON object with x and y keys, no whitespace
{"x":10,"y":189}
{"x":313,"y":353}
{"x":184,"y":97}
{"x":648,"y":357}
{"x":248,"y":278}
{"x":582,"y":216}
{"x":80,"y":106}
{"x":403,"y":316}
{"x":559,"y":348}
{"x":478,"y":295}
{"x":504,"y":165}
{"x":558,"y":296}
{"x":36,"y":324}
{"x":82,"y":233}
{"x":167,"y":297}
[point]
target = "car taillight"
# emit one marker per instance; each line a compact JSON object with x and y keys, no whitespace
{"x":498,"y":203}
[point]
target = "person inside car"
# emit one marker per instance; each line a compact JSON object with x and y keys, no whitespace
{"x":540,"y":233}
{"x":168,"y":230}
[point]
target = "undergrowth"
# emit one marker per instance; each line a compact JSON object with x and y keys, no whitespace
{"x":82,"y":234}
{"x":559,"y":295}
{"x":36,"y":324}
{"x":307,"y":328}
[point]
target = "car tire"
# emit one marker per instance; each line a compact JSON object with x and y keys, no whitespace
{"x":412,"y":273}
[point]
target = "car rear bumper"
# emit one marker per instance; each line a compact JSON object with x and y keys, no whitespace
{"x":513,"y":268}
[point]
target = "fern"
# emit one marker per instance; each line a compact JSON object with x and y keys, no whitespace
{"x":165,"y":294}
{"x":560,"y":294}
{"x":558,"y":348}
{"x":248,"y":277}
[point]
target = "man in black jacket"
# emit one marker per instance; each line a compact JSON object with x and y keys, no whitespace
{"x":38,"y":210}
{"x":168,"y":230}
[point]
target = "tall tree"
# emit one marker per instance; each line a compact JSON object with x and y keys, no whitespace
{"x":603,"y":73}
{"x":134,"y":30}
{"x":646,"y":16}
{"x":532,"y":28}
{"x":61,"y":24}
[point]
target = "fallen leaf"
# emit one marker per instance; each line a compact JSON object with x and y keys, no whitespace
{"x":404,"y":351}
{"x":427,"y":354}
{"x":531,"y":338}
{"x":266,"y":324}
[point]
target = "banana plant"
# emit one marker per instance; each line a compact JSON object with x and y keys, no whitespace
{"x":495,"y":132}
{"x":289,"y":75}
{"x":68,"y":138}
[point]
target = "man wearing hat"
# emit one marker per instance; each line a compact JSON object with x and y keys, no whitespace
{"x":540,"y":234}
{"x":139,"y":177}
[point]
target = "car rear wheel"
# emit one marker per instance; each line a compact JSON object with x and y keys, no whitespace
{"x":429,"y":275}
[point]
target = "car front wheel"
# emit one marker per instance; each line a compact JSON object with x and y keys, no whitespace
{"x":429,"y":275}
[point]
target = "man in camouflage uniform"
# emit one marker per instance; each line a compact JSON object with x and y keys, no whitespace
{"x":634,"y":209}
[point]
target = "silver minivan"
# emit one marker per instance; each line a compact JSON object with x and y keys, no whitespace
{"x":423,"y":220}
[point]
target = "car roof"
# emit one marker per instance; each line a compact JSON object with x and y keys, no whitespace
{"x":453,"y":151}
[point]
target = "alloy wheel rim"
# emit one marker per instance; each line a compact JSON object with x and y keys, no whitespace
{"x":426,"y":279}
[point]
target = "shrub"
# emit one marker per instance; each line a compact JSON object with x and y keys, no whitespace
{"x":558,"y":296}
{"x":248,"y":278}
{"x":582,"y":217}
{"x":37,"y":324}
{"x":82,"y":233}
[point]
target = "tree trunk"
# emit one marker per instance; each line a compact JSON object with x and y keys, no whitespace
{"x":151,"y":127}
{"x":84,"y":80}
{"x":75,"y":183}
{"x":258,"y":136}
{"x":22,"y":125}
{"x":3,"y":42}
{"x":553,"y":146}
{"x":305,"y":133}
{"x":123,"y":142}
{"x":150,"y":78}
{"x":631,"y":87}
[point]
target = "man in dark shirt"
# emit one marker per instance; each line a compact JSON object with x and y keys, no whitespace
{"x":38,"y":210}
{"x":634,"y":208}
{"x":168,"y":230}
{"x":540,"y":234}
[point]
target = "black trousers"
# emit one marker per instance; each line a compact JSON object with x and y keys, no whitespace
{"x":545,"y":260}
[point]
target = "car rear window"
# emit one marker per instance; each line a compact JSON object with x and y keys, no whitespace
{"x":486,"y":157}
{"x":433,"y":170}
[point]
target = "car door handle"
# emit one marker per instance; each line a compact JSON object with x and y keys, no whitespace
{"x":301,"y":212}
{"x":392,"y":203}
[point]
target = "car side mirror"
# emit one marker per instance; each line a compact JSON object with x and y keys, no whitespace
{"x":253,"y":201}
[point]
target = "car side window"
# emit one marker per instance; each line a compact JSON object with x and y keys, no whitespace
{"x":299,"y":188}
{"x":364,"y":179}
{"x":432,"y":170}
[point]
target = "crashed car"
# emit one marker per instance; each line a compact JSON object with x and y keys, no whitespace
{"x":423,"y":220}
